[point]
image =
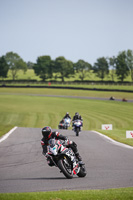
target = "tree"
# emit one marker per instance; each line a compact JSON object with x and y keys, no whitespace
{"x":112,"y":63}
{"x":64,"y":67}
{"x":44,"y":67}
{"x":15,"y":63}
{"x":101,"y":67}
{"x":122,"y":69}
{"x":3,"y":67}
{"x":30,"y":65}
{"x":129,"y":61}
{"x":82,"y":67}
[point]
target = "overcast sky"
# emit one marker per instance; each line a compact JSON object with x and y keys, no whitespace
{"x":75,"y":29}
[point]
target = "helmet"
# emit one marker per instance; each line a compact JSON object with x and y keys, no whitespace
{"x":46,"y":132}
{"x":67,"y":113}
{"x":76,"y":114}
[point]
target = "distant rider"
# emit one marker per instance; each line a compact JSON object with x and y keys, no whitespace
{"x":48,"y":134}
{"x":77,"y":116}
{"x":67,"y":115}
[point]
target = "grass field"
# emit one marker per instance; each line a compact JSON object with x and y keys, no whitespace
{"x":25,"y":110}
{"x":67,"y":92}
{"x":30,"y":75}
{"x":110,"y":194}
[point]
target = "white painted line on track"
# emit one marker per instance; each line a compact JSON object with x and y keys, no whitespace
{"x":113,"y":141}
{"x":7,"y":134}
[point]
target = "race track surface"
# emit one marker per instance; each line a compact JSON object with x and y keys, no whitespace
{"x":23,"y":168}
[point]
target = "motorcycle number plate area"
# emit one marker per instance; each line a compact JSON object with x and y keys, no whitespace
{"x":53,"y":150}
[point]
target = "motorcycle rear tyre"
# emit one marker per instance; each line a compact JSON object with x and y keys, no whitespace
{"x":64,"y":170}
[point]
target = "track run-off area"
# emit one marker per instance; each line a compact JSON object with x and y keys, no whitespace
{"x":23,"y":168}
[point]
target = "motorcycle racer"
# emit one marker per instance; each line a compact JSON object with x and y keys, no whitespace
{"x":48,"y":134}
{"x":67,"y":115}
{"x":77,"y":116}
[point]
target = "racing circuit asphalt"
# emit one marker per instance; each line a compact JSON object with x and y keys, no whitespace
{"x":23,"y":168}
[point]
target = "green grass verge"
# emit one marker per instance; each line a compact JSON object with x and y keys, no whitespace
{"x":118,"y":135}
{"x":4,"y":129}
{"x":110,"y":194}
{"x":67,"y":92}
{"x":36,"y":111}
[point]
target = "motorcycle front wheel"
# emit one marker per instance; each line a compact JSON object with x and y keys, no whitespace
{"x":77,"y":132}
{"x":82,"y":172}
{"x":64,"y":165}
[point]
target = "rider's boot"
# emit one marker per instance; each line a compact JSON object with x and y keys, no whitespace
{"x":79,"y":159}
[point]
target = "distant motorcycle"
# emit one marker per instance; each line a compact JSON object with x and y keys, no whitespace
{"x":65,"y":123}
{"x":77,"y":125}
{"x":64,"y":158}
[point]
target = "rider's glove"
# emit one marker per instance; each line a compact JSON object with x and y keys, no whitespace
{"x":67,"y":142}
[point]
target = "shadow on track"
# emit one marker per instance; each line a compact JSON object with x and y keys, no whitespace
{"x":41,"y":178}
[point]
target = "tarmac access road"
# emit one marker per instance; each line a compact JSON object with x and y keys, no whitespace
{"x":67,"y":96}
{"x":23,"y":168}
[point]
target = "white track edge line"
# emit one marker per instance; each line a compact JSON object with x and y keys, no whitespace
{"x":7,"y":134}
{"x":113,"y":141}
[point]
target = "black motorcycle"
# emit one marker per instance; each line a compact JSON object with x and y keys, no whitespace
{"x":77,"y":126}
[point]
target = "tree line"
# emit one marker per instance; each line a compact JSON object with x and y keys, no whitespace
{"x":46,"y":68}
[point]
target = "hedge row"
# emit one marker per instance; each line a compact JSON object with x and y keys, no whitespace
{"x":63,"y":87}
{"x":66,"y":82}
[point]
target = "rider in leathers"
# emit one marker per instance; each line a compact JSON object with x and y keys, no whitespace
{"x":77,"y":116}
{"x":48,"y":134}
{"x":67,"y":115}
